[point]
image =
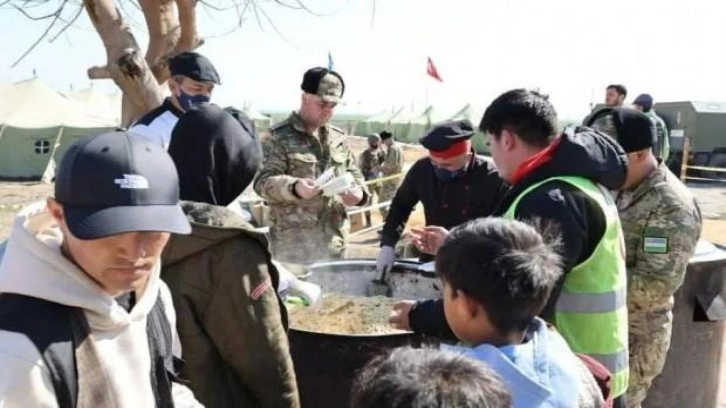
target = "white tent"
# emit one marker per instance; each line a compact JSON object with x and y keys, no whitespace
{"x":102,"y":105}
{"x":37,"y":124}
{"x":261,"y":121}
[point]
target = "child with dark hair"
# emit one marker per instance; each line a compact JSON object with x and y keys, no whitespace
{"x":498,"y":275}
{"x":428,"y":378}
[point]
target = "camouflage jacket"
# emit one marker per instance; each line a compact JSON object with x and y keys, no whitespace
{"x":370,"y":163}
{"x":290,"y":154}
{"x":393,"y":163}
{"x":662,"y":224}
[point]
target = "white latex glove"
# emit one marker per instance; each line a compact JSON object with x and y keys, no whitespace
{"x":290,"y":285}
{"x":306,"y":290}
{"x":386,"y":258}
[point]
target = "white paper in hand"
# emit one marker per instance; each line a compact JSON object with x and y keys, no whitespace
{"x":428,"y":267}
{"x":338,"y":185}
{"x":325,"y":177}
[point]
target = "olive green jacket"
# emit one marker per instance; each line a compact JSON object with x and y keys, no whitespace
{"x":231,"y":322}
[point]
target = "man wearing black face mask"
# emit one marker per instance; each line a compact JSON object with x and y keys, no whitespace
{"x":454,"y":184}
{"x":193,"y":78}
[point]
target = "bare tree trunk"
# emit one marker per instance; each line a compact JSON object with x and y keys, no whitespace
{"x":125,"y":64}
{"x":188,"y":40}
{"x":164,"y":33}
{"x":141,"y":77}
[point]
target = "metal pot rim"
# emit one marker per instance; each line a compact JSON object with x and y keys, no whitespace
{"x":354,"y":261}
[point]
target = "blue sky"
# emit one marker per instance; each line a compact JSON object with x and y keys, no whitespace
{"x":570,"y":49}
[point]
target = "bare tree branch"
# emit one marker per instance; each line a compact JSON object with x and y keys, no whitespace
{"x":56,"y":13}
{"x":129,"y":16}
{"x":164,"y":31}
{"x":218,"y":8}
{"x":99,"y":72}
{"x":242,"y":14}
{"x":138,"y":76}
{"x":272,"y":24}
{"x":42,"y":36}
{"x":68,"y":24}
{"x":188,"y":39}
{"x":373,"y":13}
{"x":300,"y":5}
{"x":240,"y":18}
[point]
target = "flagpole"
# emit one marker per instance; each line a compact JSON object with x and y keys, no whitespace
{"x":426,"y":98}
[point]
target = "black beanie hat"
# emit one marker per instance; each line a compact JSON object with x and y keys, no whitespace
{"x":633,"y":130}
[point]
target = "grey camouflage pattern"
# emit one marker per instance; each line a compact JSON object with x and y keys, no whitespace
{"x":660,"y":210}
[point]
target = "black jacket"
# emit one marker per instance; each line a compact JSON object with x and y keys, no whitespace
{"x":446,"y":204}
{"x":215,"y":156}
{"x":579,"y":220}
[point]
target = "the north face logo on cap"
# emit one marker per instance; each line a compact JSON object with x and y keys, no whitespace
{"x":133,"y":181}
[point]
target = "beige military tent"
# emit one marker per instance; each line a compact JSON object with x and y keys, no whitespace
{"x":261,"y":121}
{"x":380,"y":121}
{"x":474,"y":116}
{"x":106,"y":106}
{"x":36,"y":126}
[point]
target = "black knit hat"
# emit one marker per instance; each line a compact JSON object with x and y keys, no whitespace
{"x":633,"y":130}
{"x":386,"y":135}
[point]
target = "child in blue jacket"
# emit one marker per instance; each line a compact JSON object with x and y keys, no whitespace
{"x":498,"y":275}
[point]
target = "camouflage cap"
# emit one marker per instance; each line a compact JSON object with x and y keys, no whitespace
{"x":374,"y":137}
{"x":327,"y":84}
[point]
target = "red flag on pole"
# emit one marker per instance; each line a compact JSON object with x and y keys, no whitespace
{"x":432,"y":71}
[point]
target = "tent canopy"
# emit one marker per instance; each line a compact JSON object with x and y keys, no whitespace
{"x":261,"y":121}
{"x":104,"y":106}
{"x":380,"y":121}
{"x":33,"y":105}
{"x":36,"y":126}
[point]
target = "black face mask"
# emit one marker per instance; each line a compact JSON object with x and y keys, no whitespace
{"x":449,"y":175}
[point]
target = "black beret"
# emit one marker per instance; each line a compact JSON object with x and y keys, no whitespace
{"x":386,"y":135}
{"x":444,"y":134}
{"x":633,"y":130}
{"x":194,"y":66}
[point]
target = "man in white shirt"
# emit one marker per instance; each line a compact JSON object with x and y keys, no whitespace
{"x":193,"y":78}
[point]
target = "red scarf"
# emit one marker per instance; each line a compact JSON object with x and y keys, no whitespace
{"x":535,"y":162}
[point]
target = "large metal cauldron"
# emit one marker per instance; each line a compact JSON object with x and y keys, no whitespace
{"x":326,"y":364}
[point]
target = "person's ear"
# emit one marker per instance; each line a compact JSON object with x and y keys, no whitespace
{"x":56,"y":210}
{"x":470,"y":307}
{"x":508,"y":140}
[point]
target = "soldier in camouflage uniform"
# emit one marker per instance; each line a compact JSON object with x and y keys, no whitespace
{"x":393,"y":164}
{"x":305,"y":225}
{"x":370,"y":165}
{"x":661,"y":223}
{"x":644,"y":103}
